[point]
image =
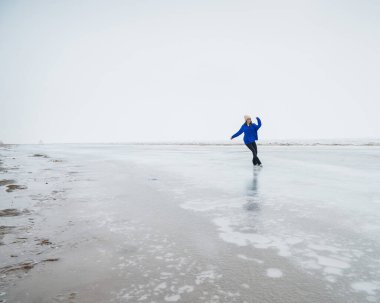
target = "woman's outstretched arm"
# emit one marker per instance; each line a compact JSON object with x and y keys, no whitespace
{"x":258,"y":122}
{"x":240,"y":131}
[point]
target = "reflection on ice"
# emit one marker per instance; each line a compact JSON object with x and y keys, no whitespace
{"x":253,"y":199}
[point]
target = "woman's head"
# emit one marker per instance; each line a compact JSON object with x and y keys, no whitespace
{"x":248,"y":119}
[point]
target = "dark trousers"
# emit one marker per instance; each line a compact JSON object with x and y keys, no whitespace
{"x":253,"y":147}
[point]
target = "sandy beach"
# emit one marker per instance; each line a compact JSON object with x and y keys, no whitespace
{"x":178,"y":223}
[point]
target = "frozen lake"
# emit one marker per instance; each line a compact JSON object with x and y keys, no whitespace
{"x":188,"y":223}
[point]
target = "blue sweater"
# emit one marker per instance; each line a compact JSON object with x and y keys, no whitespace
{"x":250,"y":131}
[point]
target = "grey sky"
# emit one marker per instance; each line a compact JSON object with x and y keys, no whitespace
{"x":105,"y":71}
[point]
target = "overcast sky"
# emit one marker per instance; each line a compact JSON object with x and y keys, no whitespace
{"x":106,"y":71}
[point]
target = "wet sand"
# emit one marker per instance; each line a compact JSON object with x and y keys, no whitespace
{"x":109,"y":223}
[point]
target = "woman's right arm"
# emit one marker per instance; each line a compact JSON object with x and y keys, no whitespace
{"x":240,"y":131}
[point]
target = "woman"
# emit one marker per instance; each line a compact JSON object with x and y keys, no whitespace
{"x":250,"y":136}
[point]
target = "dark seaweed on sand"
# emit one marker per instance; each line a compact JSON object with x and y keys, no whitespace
{"x":12,"y":187}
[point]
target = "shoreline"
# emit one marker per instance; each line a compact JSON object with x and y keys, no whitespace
{"x":261,"y":143}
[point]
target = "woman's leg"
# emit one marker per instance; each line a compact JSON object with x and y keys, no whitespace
{"x":256,"y":157}
{"x":253,"y":150}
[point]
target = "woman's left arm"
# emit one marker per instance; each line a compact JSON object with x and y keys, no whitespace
{"x":258,"y":122}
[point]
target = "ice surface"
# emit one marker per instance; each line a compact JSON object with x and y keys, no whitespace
{"x":198,"y":223}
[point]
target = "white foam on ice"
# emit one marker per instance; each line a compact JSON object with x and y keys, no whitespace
{"x":370,"y":287}
{"x":185,"y":289}
{"x":207,"y":275}
{"x":274,"y":273}
{"x":200,"y":205}
{"x":310,"y":264}
{"x":333,"y":271}
{"x":160,"y":286}
{"x":324,"y":248}
{"x":332,"y":262}
{"x":228,"y":234}
{"x":244,"y":257}
{"x":172,"y":298}
{"x":244,"y":285}
{"x":331,"y":279}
